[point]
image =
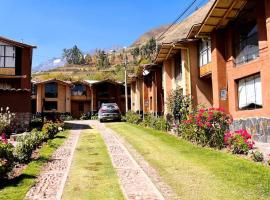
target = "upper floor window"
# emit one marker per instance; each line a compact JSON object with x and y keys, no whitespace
{"x":178,"y":67}
{"x":250,"y":92}
{"x":78,"y":90}
{"x":51,"y":90}
{"x":205,"y":55}
{"x":7,"y":56}
{"x":247,"y":45}
{"x":246,"y":41}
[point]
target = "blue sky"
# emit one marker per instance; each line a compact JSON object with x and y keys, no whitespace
{"x":53,"y":25}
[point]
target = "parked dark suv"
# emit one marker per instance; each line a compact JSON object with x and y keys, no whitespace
{"x":109,"y":112}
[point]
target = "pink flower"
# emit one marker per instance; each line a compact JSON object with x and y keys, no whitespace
{"x":4,"y":138}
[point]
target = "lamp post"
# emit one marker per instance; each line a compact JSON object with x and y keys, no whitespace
{"x":126,"y":89}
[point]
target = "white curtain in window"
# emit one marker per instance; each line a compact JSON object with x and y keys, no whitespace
{"x":242,"y":93}
{"x":250,"y":90}
{"x":258,"y":89}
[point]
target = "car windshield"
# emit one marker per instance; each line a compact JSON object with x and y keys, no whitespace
{"x":110,"y":107}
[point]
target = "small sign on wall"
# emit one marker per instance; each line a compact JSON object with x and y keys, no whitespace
{"x":223,"y":94}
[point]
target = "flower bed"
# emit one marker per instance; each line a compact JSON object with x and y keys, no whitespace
{"x":239,"y":142}
{"x":206,"y":127}
{"x":25,"y":145}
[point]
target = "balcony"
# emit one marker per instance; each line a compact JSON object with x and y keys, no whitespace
{"x":206,"y":70}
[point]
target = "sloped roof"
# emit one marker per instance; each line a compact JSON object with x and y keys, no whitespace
{"x":180,"y":31}
{"x":52,"y":80}
{"x":95,"y":82}
{"x":15,"y":43}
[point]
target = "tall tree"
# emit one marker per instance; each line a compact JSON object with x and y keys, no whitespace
{"x":73,"y":55}
{"x":102,"y":59}
{"x":88,"y":59}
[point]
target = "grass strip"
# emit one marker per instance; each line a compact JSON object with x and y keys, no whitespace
{"x":92,"y":175}
{"x":195,"y":172}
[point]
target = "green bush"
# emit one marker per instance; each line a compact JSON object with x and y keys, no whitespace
{"x":85,"y":116}
{"x":132,"y":117}
{"x":26,"y":143}
{"x":36,"y":123}
{"x":157,"y":123}
{"x":94,"y":117}
{"x":50,"y":129}
{"x":6,"y":159}
{"x":257,"y":156}
{"x":178,"y":104}
{"x":160,"y":124}
{"x":65,"y":117}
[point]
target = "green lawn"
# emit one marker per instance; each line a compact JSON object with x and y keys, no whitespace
{"x":17,"y":188}
{"x":195,"y":172}
{"x":92,"y":175}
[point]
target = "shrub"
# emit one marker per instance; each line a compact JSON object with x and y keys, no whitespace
{"x":6,"y":118}
{"x":36,"y":122}
{"x":257,"y":156}
{"x":6,"y":158}
{"x":160,"y":124}
{"x":157,"y":123}
{"x":65,"y":117}
{"x":239,"y":142}
{"x":50,"y":129}
{"x":206,"y":127}
{"x":94,"y":117}
{"x":178,"y":104}
{"x":26,"y":143}
{"x":85,"y":116}
{"x":132,"y":117}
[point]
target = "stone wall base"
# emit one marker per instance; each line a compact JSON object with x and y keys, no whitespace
{"x":259,"y":127}
{"x":21,"y":122}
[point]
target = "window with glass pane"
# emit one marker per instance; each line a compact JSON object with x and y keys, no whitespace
{"x":250,"y":93}
{"x":246,"y":34}
{"x":50,"y":105}
{"x":78,"y":90}
{"x":7,"y":56}
{"x":247,"y":45}
{"x":51,"y":90}
{"x":205,"y":52}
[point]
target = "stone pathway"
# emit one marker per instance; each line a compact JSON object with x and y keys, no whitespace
{"x":134,"y":178}
{"x":264,"y":148}
{"x":51,"y":181}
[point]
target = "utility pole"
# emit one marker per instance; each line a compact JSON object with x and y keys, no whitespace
{"x":126,"y":89}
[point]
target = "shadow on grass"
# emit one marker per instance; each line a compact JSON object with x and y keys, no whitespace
{"x":60,"y":137}
{"x":77,"y":126}
{"x":15,"y":181}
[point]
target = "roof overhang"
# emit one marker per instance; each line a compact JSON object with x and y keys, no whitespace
{"x":15,"y":43}
{"x":168,"y":50}
{"x":50,"y":81}
{"x":220,"y":14}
